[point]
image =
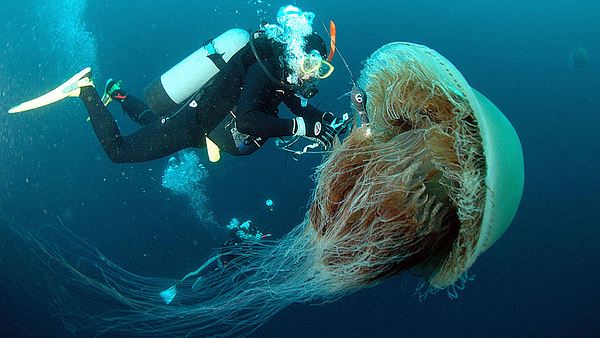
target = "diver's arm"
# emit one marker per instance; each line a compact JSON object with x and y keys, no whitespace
{"x":151,"y":142}
{"x":251,"y":118}
{"x":309,"y":112}
{"x":312,"y":122}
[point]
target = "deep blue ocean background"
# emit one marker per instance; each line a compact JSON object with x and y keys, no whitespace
{"x":540,"y":279}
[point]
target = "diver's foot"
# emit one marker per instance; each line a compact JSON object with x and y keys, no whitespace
{"x":72,"y":87}
{"x":113,"y":91}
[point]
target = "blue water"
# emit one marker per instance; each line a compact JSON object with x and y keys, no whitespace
{"x":540,"y":278}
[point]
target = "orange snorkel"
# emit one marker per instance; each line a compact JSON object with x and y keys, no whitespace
{"x":332,"y":35}
{"x":358,"y":96}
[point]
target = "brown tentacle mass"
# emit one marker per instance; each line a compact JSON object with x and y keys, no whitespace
{"x":394,"y":200}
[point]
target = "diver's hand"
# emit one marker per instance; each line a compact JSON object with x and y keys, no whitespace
{"x":326,"y":135}
{"x":328,"y":118}
{"x":323,"y":133}
{"x":341,"y":125}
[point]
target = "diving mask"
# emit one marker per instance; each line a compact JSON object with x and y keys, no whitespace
{"x":312,"y":65}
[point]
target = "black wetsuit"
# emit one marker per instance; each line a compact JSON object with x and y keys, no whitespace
{"x":256,"y":113}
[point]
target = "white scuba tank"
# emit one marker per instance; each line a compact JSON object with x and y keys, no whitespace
{"x":192,"y":73}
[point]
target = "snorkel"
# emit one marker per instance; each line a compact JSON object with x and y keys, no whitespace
{"x":358,"y":96}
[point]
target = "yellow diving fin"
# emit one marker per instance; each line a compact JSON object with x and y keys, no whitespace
{"x":214,"y":153}
{"x":71,"y":88}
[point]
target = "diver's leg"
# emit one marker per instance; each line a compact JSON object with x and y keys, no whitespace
{"x":135,"y":108}
{"x":138,"y":110}
{"x":151,"y":142}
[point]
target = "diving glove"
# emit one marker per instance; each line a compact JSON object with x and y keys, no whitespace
{"x":323,"y":133}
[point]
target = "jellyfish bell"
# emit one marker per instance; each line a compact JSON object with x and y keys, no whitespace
{"x":435,"y":185}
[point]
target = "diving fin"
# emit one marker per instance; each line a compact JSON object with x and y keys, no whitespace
{"x":71,"y":88}
{"x":214,"y":153}
{"x":168,"y":294}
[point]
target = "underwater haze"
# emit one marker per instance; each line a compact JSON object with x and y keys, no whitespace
{"x":538,"y":61}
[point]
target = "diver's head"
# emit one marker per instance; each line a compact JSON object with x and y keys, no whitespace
{"x":314,"y":42}
{"x":303,"y":52}
{"x":305,"y":69}
{"x":313,"y":62}
{"x":311,"y":66}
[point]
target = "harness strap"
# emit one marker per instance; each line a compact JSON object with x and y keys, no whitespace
{"x":278,"y":82}
{"x":215,"y":57}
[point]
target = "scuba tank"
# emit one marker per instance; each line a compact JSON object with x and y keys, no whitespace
{"x":199,"y":74}
{"x":191,"y":74}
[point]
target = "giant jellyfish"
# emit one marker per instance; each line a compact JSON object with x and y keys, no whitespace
{"x":426,"y":186}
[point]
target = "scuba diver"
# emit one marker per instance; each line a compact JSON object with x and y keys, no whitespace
{"x":225,"y":96}
{"x":240,"y":234}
